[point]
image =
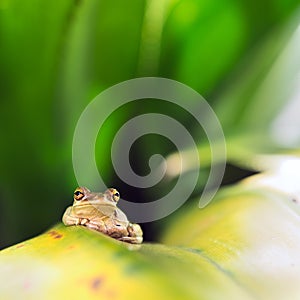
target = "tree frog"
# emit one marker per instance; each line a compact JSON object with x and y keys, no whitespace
{"x":99,"y":211}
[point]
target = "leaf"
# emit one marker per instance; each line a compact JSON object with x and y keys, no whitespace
{"x":31,"y":34}
{"x":76,"y":263}
{"x":250,"y":231}
{"x":258,"y":109}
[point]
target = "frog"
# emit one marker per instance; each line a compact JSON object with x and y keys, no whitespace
{"x":99,"y":211}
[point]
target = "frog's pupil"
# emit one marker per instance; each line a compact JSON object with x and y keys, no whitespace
{"x":117,"y":194}
{"x":78,"y":193}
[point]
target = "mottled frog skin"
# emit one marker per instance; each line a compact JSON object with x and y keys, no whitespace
{"x":99,"y":211}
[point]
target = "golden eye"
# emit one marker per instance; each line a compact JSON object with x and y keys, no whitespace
{"x":78,"y":194}
{"x":115,"y":195}
{"x":112,"y":195}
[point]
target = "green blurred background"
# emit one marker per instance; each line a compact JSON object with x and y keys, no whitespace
{"x":55,"y":56}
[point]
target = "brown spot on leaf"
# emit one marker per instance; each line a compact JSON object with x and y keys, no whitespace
{"x":96,"y":283}
{"x":20,"y":245}
{"x":55,"y":234}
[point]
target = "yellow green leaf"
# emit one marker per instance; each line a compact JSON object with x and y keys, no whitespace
{"x":76,"y":263}
{"x":252,"y":234}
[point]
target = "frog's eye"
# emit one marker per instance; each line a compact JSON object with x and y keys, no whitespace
{"x":78,"y":195}
{"x":116,"y":195}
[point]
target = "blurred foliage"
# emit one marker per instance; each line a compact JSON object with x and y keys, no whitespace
{"x":241,"y":55}
{"x":55,"y":57}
